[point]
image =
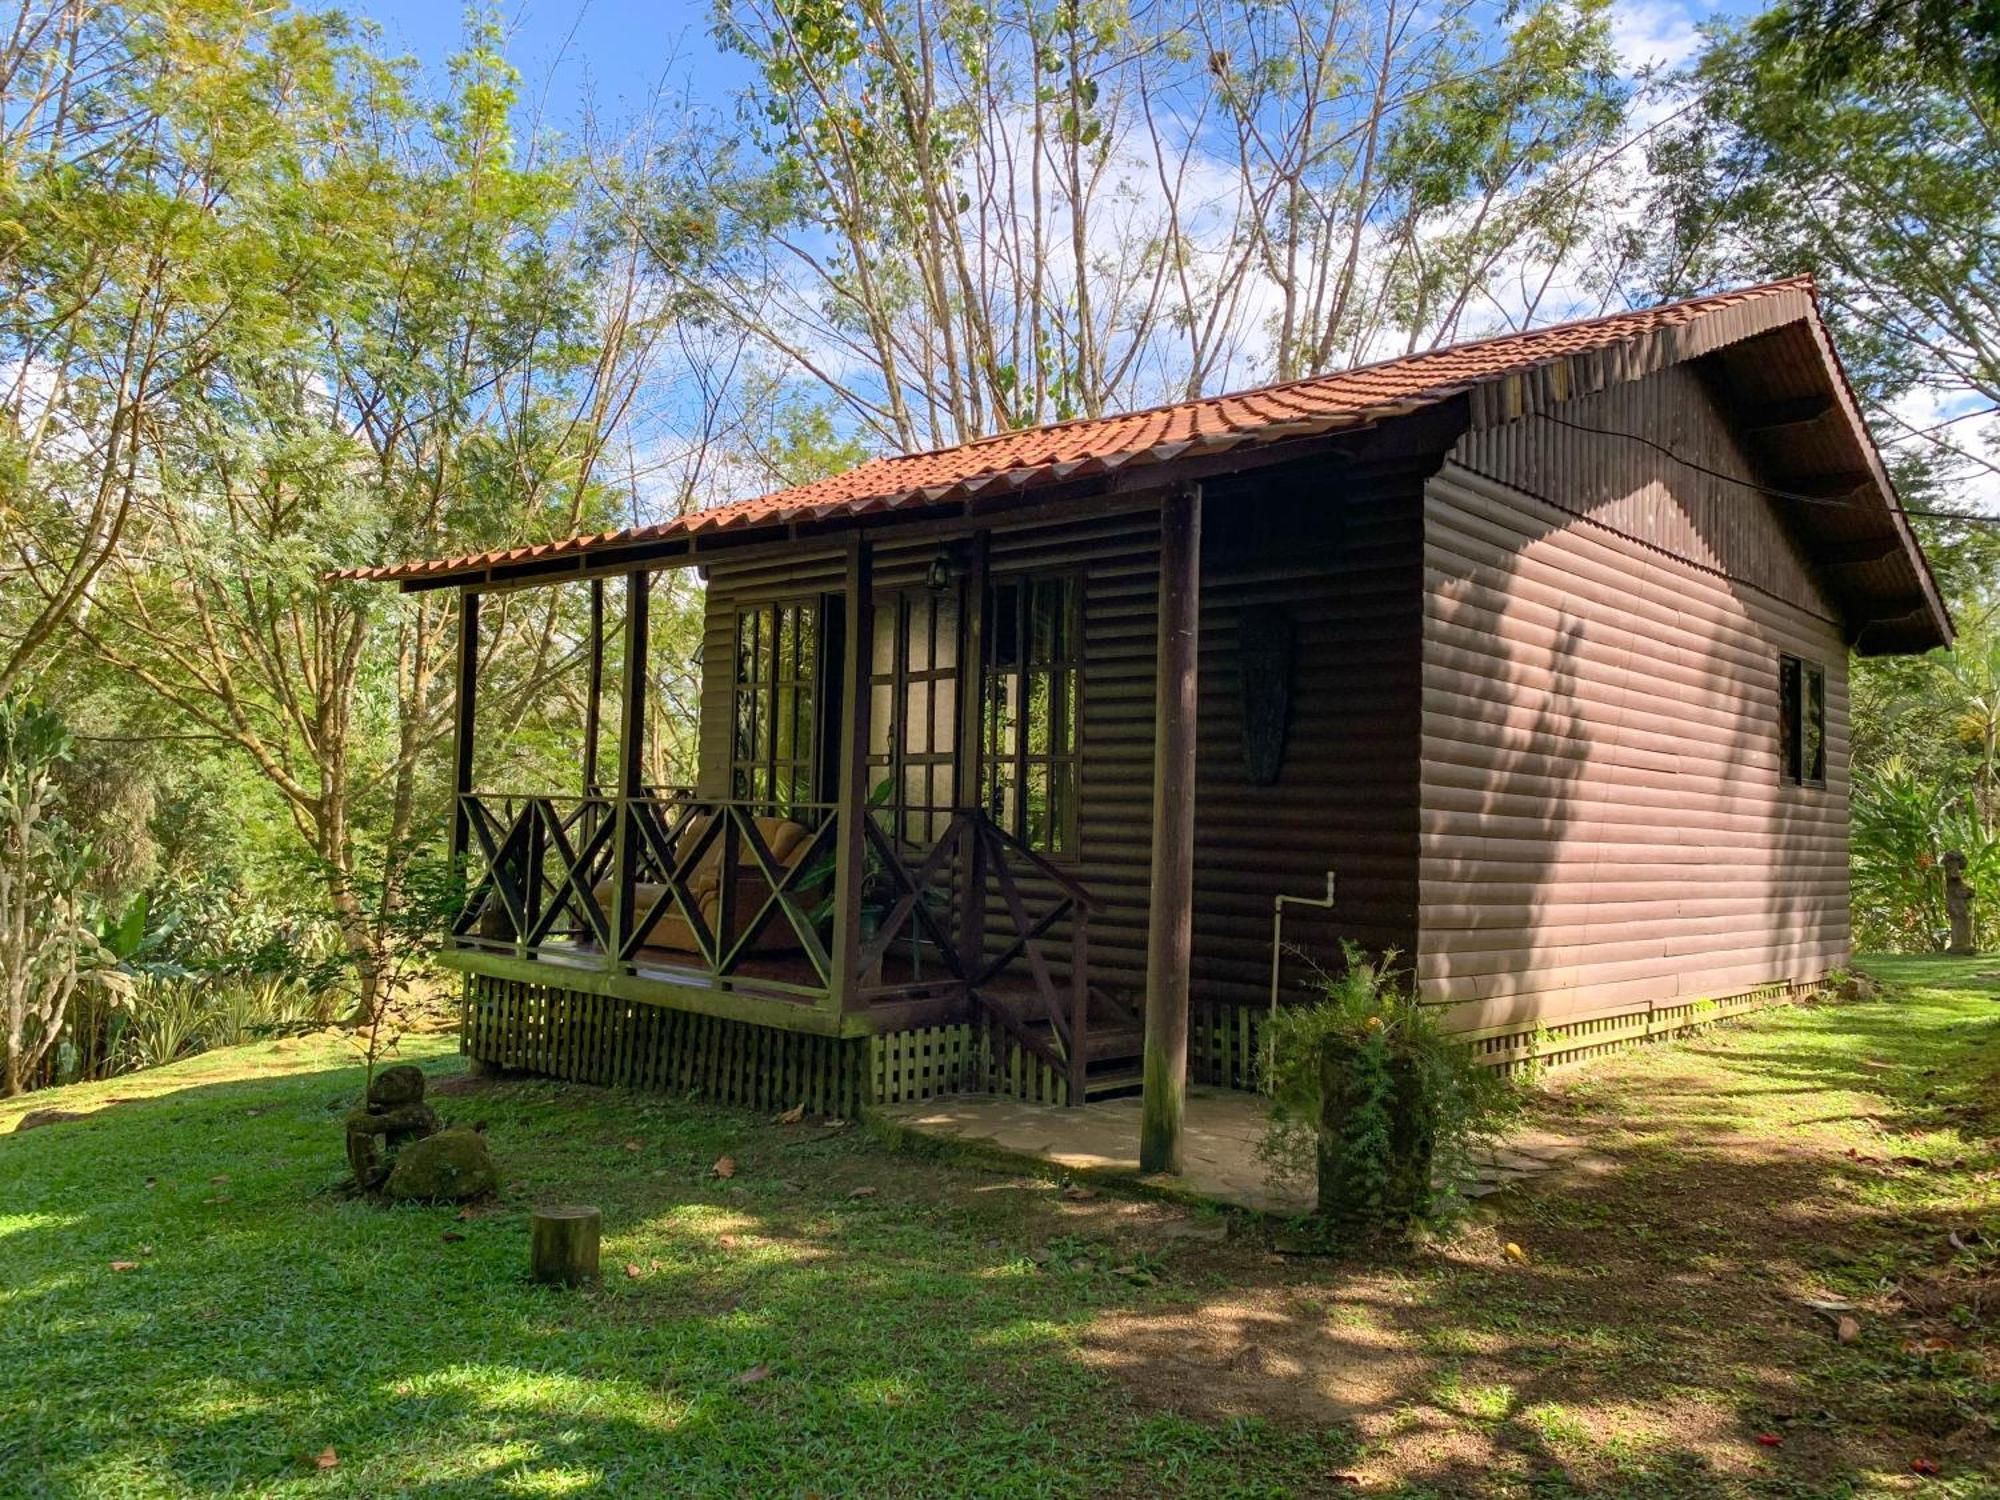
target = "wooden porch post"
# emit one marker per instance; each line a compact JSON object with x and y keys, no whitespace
{"x":593,"y":712}
{"x":466,"y":712}
{"x":631,"y":763}
{"x":1170,"y":924}
{"x":850,"y":838}
{"x":971,"y":747}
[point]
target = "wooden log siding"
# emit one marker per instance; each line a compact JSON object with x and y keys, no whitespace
{"x":1604,"y":827}
{"x":1345,"y":566}
{"x":1346,"y":797}
{"x":1117,"y":558}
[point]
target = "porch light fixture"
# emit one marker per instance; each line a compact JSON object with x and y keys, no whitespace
{"x":939,"y":575}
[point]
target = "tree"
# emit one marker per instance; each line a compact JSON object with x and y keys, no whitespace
{"x":957,"y":218}
{"x":1841,"y":40}
{"x":1877,"y":180}
{"x":47,"y":944}
{"x":1408,"y":171}
{"x":453,"y":350}
{"x":142,"y":186}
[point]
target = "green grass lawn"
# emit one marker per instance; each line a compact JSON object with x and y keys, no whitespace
{"x":838,"y":1318}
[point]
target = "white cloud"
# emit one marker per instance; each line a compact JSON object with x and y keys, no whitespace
{"x":1654,"y":33}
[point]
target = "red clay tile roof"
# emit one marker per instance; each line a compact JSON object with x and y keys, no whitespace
{"x":1013,"y":460}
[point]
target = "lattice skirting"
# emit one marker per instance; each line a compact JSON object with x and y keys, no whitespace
{"x":1224,"y":1040}
{"x":1525,"y":1047}
{"x":599,"y":1039}
{"x":1224,"y":1043}
{"x":905,"y":1067}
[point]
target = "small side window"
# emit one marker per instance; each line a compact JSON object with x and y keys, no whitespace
{"x":1801,"y":721}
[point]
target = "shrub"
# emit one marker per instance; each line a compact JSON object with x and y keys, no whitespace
{"x":168,"y":1022}
{"x":1902,"y":825}
{"x":1371,"y":1096}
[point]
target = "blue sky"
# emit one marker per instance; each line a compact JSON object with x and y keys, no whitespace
{"x":611,"y":57}
{"x":612,"y":54}
{"x":606,"y":54}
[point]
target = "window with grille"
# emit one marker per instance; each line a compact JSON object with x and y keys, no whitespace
{"x":774,"y":749}
{"x":913,"y":713}
{"x":1031,"y":711}
{"x":1801,"y":721}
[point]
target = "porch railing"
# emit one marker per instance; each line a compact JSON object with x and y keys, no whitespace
{"x":742,"y":892}
{"x":975,"y":957}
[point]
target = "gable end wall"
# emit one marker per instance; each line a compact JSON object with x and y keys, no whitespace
{"x":1603,"y":828}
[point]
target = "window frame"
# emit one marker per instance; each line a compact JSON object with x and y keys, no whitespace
{"x":890,"y":754}
{"x":805,"y":684}
{"x":1065,"y":827}
{"x":1801,"y":721}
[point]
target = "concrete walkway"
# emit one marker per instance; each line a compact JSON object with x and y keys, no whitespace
{"x":1223,"y":1129}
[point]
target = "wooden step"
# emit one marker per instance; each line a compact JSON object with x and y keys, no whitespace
{"x":1104,"y":1043}
{"x":1116,"y":1085}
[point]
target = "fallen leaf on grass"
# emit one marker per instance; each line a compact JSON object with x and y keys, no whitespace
{"x":1770,"y":1440}
{"x":757,"y":1372}
{"x":793,"y":1115}
{"x":862,"y":1192}
{"x":1928,"y":1467}
{"x":452,"y":1237}
{"x":1847,"y":1330}
{"x":725,"y":1166}
{"x":1516,"y":1253}
{"x":1077,"y":1193}
{"x":833,"y":1122}
{"x":465,"y":1213}
{"x":632,"y":1146}
{"x":326,"y":1458}
{"x":124,"y":1265}
{"x":219,"y":1178}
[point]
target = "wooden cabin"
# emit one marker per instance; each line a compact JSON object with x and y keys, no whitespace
{"x":1537,"y":645}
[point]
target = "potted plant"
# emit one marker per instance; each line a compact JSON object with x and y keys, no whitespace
{"x":1374,"y":1101}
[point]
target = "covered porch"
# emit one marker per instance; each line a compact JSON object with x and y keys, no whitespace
{"x":880,"y":840}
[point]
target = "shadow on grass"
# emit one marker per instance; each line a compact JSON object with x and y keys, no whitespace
{"x":835,"y":1319}
{"x":779,"y":1335}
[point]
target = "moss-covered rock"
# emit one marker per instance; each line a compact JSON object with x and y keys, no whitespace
{"x":453,"y":1165}
{"x":402,"y":1084}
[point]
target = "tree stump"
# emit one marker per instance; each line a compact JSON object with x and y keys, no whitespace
{"x":565,"y":1244}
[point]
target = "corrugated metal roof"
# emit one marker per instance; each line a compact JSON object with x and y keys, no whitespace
{"x":1211,"y":424}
